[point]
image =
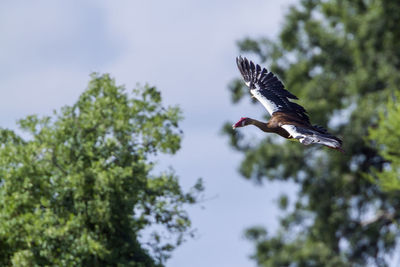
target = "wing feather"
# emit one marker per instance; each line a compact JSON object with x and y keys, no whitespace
{"x":268,"y":89}
{"x":308,"y":136}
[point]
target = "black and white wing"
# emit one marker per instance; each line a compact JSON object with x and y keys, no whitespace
{"x":268,"y":89}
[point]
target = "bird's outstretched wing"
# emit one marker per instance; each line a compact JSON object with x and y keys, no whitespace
{"x":268,"y":89}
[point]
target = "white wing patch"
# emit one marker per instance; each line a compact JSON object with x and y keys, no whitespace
{"x":270,"y":106}
{"x":292,"y":130}
{"x":307,"y":137}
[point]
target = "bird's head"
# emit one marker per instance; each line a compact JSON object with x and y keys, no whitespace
{"x":241,"y":123}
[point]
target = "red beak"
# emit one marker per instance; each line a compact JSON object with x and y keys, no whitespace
{"x":238,"y":124}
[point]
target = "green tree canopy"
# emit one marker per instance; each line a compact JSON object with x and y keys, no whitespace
{"x":342,"y":59}
{"x":386,"y":137}
{"x":77,"y":189}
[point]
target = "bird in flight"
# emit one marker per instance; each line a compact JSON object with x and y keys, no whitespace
{"x":288,"y":119}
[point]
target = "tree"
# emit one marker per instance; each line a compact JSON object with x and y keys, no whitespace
{"x":386,"y":137}
{"x":77,"y":189}
{"x":342,"y":59}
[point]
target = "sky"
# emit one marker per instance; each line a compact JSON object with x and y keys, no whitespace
{"x":187,"y":50}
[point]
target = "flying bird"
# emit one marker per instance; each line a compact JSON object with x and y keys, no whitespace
{"x":288,"y":119}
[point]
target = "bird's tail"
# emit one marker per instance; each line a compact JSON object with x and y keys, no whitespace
{"x":324,"y":139}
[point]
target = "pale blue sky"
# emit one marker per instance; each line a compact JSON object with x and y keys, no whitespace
{"x":185,"y":48}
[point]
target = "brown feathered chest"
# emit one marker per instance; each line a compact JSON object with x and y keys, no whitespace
{"x":282,"y":118}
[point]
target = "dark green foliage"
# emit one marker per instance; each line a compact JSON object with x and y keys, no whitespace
{"x":386,"y":137}
{"x":342,"y":59}
{"x":77,"y":189}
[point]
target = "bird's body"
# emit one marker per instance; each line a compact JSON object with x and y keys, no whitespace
{"x":288,"y":119}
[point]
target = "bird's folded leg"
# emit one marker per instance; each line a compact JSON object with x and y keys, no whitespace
{"x":306,"y":140}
